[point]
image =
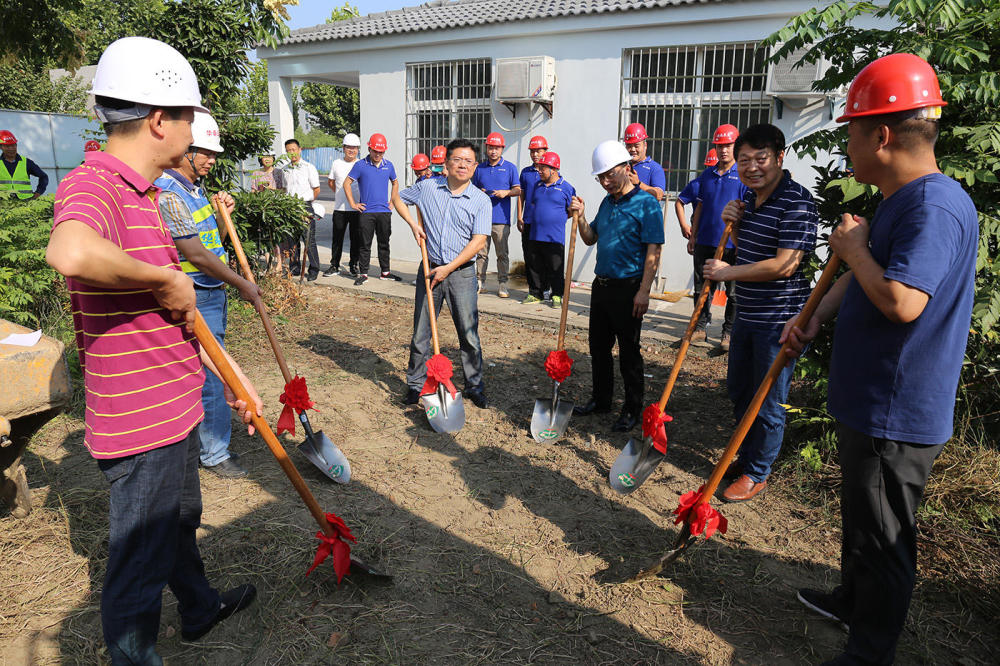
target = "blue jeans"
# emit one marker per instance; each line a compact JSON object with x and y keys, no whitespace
{"x":154,"y":513}
{"x":461,"y":289}
{"x":217,"y":427}
{"x":751,"y":352}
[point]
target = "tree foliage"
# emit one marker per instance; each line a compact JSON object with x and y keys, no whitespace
{"x":334,"y":109}
{"x":961,"y":39}
{"x":29,"y":89}
{"x":28,"y":286}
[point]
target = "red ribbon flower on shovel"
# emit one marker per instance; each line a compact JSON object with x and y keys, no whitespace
{"x":336,"y":546}
{"x":653,"y":421}
{"x":296,"y":399}
{"x":438,"y":372}
{"x":706,"y":519}
{"x":558,"y":365}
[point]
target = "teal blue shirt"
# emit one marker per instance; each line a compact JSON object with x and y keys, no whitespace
{"x":624,"y":228}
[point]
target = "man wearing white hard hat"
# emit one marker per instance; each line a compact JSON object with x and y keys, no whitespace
{"x":628,"y":232}
{"x":133,"y":310}
{"x":344,"y":216}
{"x":189,"y":215}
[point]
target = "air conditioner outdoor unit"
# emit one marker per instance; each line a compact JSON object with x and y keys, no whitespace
{"x":526,"y":80}
{"x":787,"y":80}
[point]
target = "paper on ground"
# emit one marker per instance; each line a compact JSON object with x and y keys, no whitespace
{"x":22,"y":339}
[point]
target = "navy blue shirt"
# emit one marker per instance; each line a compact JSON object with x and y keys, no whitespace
{"x":373,"y":183}
{"x":501,"y":176}
{"x":715,"y":190}
{"x":786,"y":221}
{"x":650,"y":173}
{"x":550,"y":209}
{"x":898,"y":381}
{"x":33,"y":170}
{"x":529,"y":181}
{"x":450,"y":220}
{"x":690,"y":194}
{"x":624,"y":228}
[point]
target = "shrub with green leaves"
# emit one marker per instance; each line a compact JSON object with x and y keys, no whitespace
{"x":266,"y":218}
{"x":29,"y":290}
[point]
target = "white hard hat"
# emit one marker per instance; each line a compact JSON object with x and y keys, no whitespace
{"x":205,"y":132}
{"x":318,"y":209}
{"x":608,"y":155}
{"x":147,"y":72}
{"x":352,"y":140}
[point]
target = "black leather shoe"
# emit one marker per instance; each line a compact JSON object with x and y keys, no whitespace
{"x":412,"y":396}
{"x":477,"y":398}
{"x":233,"y":601}
{"x":626,"y":420}
{"x":591,"y":407}
{"x":311,"y":277}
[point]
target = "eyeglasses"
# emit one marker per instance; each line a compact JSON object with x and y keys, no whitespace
{"x":610,"y":175}
{"x":461,"y":160}
{"x":760,"y":159}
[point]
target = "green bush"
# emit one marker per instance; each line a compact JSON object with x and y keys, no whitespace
{"x":264,"y":219}
{"x":30,"y":291}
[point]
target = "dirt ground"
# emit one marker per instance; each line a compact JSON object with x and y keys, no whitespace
{"x":504,"y":551}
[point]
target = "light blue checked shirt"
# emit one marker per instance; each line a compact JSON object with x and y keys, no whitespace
{"x":449,"y":220}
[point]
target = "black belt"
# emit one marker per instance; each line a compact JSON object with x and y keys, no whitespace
{"x":601,"y":281}
{"x":465,"y":265}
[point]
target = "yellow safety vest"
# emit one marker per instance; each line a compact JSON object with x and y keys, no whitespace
{"x":19,"y":182}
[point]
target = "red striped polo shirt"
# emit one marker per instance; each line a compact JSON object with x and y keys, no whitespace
{"x":141,"y":369}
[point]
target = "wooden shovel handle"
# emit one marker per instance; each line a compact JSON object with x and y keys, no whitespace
{"x":427,"y":288}
{"x":693,"y":323}
{"x":225,"y":369}
{"x":765,"y":386}
{"x":569,"y":281}
{"x":248,"y":274}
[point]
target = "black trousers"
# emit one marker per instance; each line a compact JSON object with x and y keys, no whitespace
{"x":546,"y":268}
{"x":345,"y":220}
{"x":291,"y":246}
{"x":883,"y":481}
{"x":611,"y":320}
{"x":371,"y":225}
{"x":702,"y":253}
{"x":526,"y":251}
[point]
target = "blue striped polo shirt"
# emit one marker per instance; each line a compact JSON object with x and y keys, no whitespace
{"x":787,"y":220}
{"x":450,"y":220}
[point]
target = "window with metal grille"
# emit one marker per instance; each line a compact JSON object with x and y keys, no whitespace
{"x":444,"y":101}
{"x":682,"y":93}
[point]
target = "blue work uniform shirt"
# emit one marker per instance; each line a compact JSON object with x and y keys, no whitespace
{"x":528,"y":180}
{"x":899,"y":381}
{"x":690,"y":194}
{"x":650,"y":173}
{"x":715,"y":190}
{"x":550,"y":211}
{"x":788,"y":221}
{"x":450,"y":220}
{"x":374,"y":182}
{"x":499,"y":176}
{"x":624,"y":227}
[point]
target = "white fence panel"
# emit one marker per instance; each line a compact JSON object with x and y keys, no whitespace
{"x":54,"y":141}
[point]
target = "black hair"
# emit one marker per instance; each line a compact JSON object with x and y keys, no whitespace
{"x":911,"y":130}
{"x":295,"y":141}
{"x":128,"y":127}
{"x":763,"y":135}
{"x":260,"y":159}
{"x":455,"y":144}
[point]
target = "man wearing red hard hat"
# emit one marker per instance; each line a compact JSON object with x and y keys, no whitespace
{"x":16,"y":170}
{"x":499,"y":179}
{"x":528,"y":181}
{"x":903,"y":313}
{"x":377,"y":184}
{"x":550,"y":209}
{"x":647,"y":174}
{"x":421,"y":166}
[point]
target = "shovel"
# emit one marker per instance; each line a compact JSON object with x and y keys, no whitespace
{"x":317,"y":447}
{"x":686,"y":537}
{"x":639,"y":458}
{"x":551,"y":416}
{"x":445,"y":413}
{"x":222,"y":364}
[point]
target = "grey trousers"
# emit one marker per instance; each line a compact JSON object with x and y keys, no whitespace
{"x":499,"y":235}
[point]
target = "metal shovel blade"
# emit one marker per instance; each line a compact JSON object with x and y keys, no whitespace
{"x":327,"y":457}
{"x":551,"y":417}
{"x":683,"y":541}
{"x":360,"y":566}
{"x":634,"y":465}
{"x":444,"y":413}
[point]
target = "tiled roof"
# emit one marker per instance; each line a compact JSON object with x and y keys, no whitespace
{"x":444,"y":14}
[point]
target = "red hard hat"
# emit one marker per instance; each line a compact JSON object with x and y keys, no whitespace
{"x":897,"y":82}
{"x":91,"y":146}
{"x":438,"y":154}
{"x":538,"y":142}
{"x":550,"y":159}
{"x":495,"y":139}
{"x":420,"y":162}
{"x":378,"y":142}
{"x":7,"y":138}
{"x":635,"y":133}
{"x":725,"y":134}
{"x":711,"y":159}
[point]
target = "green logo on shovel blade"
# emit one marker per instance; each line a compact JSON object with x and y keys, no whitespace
{"x":627,"y":479}
{"x":337,"y":470}
{"x":548,"y":434}
{"x":432,"y":411}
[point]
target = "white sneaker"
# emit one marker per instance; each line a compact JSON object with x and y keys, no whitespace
{"x":502,"y":291}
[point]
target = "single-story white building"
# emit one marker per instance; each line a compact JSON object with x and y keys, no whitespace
{"x":574,"y":71}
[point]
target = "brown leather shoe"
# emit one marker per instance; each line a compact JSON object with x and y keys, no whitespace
{"x":743,"y":489}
